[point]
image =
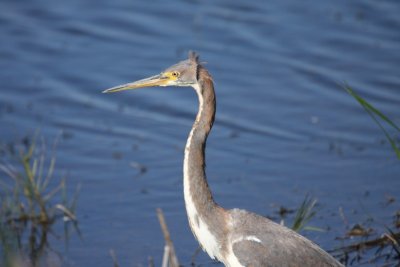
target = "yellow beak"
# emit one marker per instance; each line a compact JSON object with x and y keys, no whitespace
{"x":157,"y":80}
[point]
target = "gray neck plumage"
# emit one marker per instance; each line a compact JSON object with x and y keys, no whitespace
{"x":206,"y":218}
{"x":195,"y":176}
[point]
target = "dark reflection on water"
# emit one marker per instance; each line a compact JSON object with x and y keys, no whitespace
{"x":283,"y":126}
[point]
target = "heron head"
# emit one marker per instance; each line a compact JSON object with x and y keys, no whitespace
{"x":183,"y":73}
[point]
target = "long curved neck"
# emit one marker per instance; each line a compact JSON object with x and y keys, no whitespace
{"x":194,"y":162}
{"x":206,"y":219}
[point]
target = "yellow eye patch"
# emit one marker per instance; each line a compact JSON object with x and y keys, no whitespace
{"x":172,"y":75}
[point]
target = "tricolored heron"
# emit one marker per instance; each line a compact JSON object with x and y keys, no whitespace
{"x":235,"y":237}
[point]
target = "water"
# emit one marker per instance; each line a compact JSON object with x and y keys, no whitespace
{"x":283,"y":127}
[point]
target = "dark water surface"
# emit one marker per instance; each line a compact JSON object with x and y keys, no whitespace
{"x":283,"y":127}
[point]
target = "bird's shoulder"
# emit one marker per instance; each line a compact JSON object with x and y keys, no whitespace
{"x":258,"y":241}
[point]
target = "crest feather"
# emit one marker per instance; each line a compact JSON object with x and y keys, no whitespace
{"x":193,"y":56}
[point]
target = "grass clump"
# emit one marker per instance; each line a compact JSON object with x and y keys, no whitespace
{"x":32,"y":200}
{"x":304,"y":214}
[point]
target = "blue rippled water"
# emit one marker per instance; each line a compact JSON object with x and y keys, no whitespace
{"x":283,"y":128}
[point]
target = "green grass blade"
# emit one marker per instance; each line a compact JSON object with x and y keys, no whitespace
{"x":373,"y":112}
{"x":391,"y":141}
{"x":40,"y":172}
{"x":49,"y":175}
{"x":368,"y":106}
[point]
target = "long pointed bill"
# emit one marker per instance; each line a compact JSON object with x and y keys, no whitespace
{"x":156,"y":80}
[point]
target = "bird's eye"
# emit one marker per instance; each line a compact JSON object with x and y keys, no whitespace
{"x":175,"y":74}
